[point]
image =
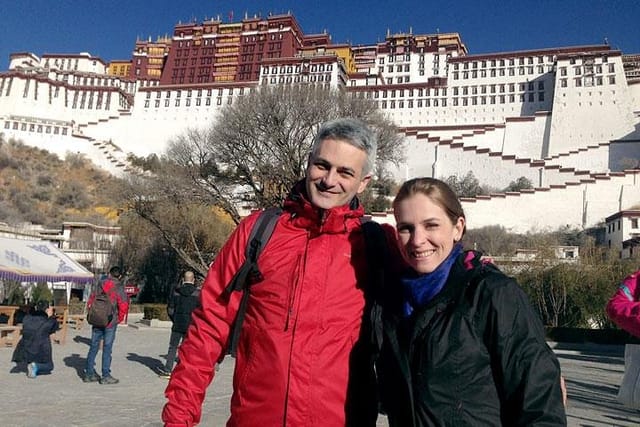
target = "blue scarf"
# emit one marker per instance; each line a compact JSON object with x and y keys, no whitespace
{"x":418,"y":290}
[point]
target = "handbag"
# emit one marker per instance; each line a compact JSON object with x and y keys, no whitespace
{"x":629,"y":393}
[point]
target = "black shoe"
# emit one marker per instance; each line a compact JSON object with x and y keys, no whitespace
{"x":109,"y":380}
{"x":91,"y":378}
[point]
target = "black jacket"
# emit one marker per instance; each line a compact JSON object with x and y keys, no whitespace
{"x":475,"y":355}
{"x":184,"y":299}
{"x":35,"y":344}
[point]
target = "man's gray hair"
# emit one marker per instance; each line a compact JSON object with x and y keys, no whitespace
{"x":352,"y":131}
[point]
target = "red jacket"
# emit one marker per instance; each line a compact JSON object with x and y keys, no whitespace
{"x":624,"y":307}
{"x":118,"y":299}
{"x":301,"y":324}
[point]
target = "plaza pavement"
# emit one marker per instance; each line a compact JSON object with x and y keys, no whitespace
{"x":61,"y":399}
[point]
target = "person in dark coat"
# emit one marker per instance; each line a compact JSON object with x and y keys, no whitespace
{"x":33,"y":352}
{"x":461,"y":344}
{"x":184,"y":299}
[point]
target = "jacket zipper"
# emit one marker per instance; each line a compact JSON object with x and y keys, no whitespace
{"x":295,"y":288}
{"x":298,"y":274}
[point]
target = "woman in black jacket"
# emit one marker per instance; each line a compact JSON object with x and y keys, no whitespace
{"x":34,"y":348}
{"x":461,"y":344}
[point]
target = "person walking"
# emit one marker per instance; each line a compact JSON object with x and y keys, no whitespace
{"x":296,"y":351}
{"x":461,"y":344}
{"x":623,"y":309}
{"x":33,"y":351}
{"x":112,"y":287}
{"x":624,"y":306}
{"x":183,"y":300}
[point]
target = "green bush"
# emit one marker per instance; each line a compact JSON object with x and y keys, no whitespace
{"x":155,"y":311}
{"x":14,"y":292}
{"x":41,"y":293}
{"x":76,"y":307}
{"x":136,"y":308}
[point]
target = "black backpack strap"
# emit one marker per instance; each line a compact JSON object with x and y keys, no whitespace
{"x":363,"y":396}
{"x":377,"y":252}
{"x":249,"y":272}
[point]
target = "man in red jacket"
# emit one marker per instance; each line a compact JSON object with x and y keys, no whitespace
{"x":303,"y":319}
{"x":112,"y":287}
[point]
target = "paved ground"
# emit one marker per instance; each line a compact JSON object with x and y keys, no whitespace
{"x":62,"y":399}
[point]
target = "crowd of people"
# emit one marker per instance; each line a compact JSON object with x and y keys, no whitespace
{"x":445,"y":339}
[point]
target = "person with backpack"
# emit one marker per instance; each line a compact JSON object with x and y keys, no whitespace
{"x":461,"y":343}
{"x":107,"y":307}
{"x":33,"y":352}
{"x":183,"y":300}
{"x":300,"y":360}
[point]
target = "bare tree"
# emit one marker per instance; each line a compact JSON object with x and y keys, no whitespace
{"x":466,"y":186}
{"x":519,"y":184}
{"x":193,"y":229}
{"x":258,"y":147}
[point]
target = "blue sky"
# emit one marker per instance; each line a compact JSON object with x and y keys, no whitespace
{"x":109,"y":28}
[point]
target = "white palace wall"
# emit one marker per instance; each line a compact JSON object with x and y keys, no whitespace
{"x":578,"y":205}
{"x":598,"y":109}
{"x":432,"y":158}
{"x":527,"y":137}
{"x":634,"y":94}
{"x":591,"y":158}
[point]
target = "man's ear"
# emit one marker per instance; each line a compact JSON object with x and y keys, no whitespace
{"x":363,"y":183}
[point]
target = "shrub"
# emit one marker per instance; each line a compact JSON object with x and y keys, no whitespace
{"x":136,"y":308}
{"x":41,"y":293}
{"x":155,"y":311}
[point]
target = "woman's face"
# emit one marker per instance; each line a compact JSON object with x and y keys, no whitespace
{"x":425,"y":232}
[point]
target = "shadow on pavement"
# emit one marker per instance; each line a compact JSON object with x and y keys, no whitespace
{"x":149,"y":362}
{"x":592,"y":349}
{"x":591,"y":358}
{"x":76,"y":362}
{"x":19,"y":368}
{"x":83,"y":340}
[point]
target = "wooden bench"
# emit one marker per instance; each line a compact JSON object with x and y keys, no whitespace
{"x":10,"y":311}
{"x":76,"y":320}
{"x":10,"y":335}
{"x":62,"y":315}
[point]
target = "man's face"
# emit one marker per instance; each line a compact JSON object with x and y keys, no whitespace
{"x":334,"y":175}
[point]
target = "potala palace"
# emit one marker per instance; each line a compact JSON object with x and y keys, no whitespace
{"x":567,"y":118}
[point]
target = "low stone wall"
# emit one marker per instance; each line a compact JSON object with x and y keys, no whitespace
{"x":155,"y":323}
{"x":594,"y":336}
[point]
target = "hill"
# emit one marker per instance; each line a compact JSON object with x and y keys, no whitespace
{"x":39,"y":187}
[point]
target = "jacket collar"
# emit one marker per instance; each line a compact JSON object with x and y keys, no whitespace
{"x":316,"y":220}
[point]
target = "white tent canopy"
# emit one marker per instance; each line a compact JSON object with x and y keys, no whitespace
{"x":38,"y":261}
